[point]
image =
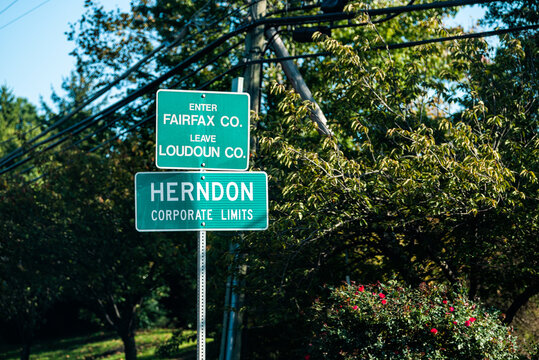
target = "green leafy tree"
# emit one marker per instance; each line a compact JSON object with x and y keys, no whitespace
{"x":113,"y":269}
{"x":19,"y":121}
{"x":31,"y":267}
{"x":409,"y":184}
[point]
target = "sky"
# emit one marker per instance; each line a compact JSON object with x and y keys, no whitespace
{"x":33,"y":44}
{"x":34,"y":48}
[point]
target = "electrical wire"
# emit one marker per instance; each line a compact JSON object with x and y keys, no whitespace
{"x":390,"y":46}
{"x":324,"y":18}
{"x":7,"y":7}
{"x":304,"y":56}
{"x":387,"y":18}
{"x":108,"y":123}
{"x":217,"y":42}
{"x":23,"y":15}
{"x":311,"y":19}
{"x":21,"y":152}
{"x":164,"y":46}
{"x":457,"y":37}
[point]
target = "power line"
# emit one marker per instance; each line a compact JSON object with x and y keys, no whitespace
{"x":86,"y":123}
{"x":297,"y":20}
{"x":7,"y":7}
{"x":217,"y":42}
{"x":164,"y":46}
{"x":303,"y":56}
{"x":390,"y":46}
{"x":458,"y":37}
{"x":23,"y":15}
{"x":320,"y":18}
{"x":20,"y":151}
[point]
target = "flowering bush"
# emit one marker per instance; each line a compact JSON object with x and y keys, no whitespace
{"x":397,"y":322}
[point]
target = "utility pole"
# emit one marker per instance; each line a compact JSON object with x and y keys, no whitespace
{"x":254,"y":45}
{"x":298,"y":83}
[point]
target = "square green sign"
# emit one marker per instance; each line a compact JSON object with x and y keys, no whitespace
{"x":202,"y":130}
{"x":190,"y":201}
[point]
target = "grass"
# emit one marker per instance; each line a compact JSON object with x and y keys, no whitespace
{"x":97,"y":346}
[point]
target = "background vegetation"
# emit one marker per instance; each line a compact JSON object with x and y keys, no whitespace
{"x":428,"y":182}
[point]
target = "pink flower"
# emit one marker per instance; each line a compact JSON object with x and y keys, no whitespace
{"x":356,"y":293}
{"x":384,"y":301}
{"x":361,"y":288}
{"x":454,"y":322}
{"x":445,"y":301}
{"x":354,"y":307}
{"x":382,"y":296}
{"x":434,"y":330}
{"x":307,"y":357}
{"x":451,"y":308}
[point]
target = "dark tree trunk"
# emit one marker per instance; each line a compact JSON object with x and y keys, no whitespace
{"x":25,"y":351}
{"x":130,"y":347}
{"x":25,"y":328}
{"x":519,"y":301}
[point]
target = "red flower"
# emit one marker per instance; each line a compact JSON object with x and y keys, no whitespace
{"x":454,"y":322}
{"x":361,"y":288}
{"x":307,"y":357}
{"x":472,"y":319}
{"x":445,"y":301}
{"x":467,"y":323}
{"x":384,"y":301}
{"x":433,"y":330}
{"x":451,"y":309}
{"x":382,"y":296}
{"x":354,"y":307}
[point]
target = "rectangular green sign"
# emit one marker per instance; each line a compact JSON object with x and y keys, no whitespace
{"x":189,"y":201}
{"x":202,"y":130}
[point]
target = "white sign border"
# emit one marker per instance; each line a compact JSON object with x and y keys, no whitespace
{"x":206,"y":172}
{"x":203,"y":92}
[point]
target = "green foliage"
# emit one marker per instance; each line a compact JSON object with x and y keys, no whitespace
{"x":92,"y":346}
{"x":19,"y":121}
{"x":429,"y":175}
{"x":177,"y":344}
{"x":395,"y":321}
{"x":31,"y":266}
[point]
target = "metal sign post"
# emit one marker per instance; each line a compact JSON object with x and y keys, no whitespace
{"x":202,"y":130}
{"x":201,"y":321}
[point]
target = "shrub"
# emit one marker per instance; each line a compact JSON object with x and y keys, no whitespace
{"x":393,"y":321}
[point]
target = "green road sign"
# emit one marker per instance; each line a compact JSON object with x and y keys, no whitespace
{"x":202,"y":130}
{"x":189,"y":201}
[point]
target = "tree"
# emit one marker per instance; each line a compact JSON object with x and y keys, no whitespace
{"x":19,"y":122}
{"x":429,"y":174}
{"x":113,"y":269}
{"x":408,"y":185}
{"x":32,"y":266}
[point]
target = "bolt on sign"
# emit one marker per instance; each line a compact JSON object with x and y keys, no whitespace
{"x":202,"y":130}
{"x":189,"y":201}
